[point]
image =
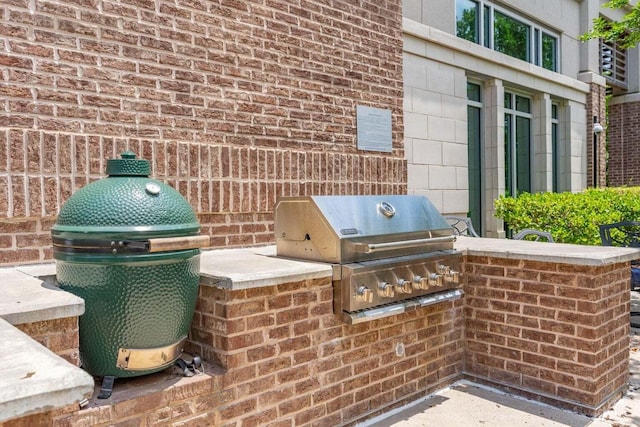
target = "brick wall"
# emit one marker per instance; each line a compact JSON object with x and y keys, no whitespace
{"x":554,"y":332}
{"x":624,"y":142}
{"x":289,"y":361}
{"x":559,"y":333}
{"x":233,"y":102}
{"x":61,"y":336}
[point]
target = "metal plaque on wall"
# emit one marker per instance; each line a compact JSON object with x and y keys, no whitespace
{"x":373,"y":129}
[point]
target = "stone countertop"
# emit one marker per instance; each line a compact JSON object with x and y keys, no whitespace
{"x":546,"y":252}
{"x":255,"y":267}
{"x":29,"y":294}
{"x":33,"y":379}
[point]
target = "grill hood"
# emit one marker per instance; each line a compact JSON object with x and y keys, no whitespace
{"x":340,"y":229}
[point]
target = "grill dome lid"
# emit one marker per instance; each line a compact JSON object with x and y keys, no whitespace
{"x":126,"y":204}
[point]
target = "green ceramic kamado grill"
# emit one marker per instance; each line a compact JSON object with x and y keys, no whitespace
{"x":129,"y":246}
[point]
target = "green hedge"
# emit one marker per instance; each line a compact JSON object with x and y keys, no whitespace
{"x":570,"y":217}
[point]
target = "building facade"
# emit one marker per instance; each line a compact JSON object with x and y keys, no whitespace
{"x":238,"y":103}
{"x":234,"y":103}
{"x":502,"y":97}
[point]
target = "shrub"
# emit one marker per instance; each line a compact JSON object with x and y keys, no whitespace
{"x":570,"y":217}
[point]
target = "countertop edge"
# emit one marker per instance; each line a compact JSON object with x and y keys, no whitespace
{"x":562,"y":253}
{"x":35,"y":379}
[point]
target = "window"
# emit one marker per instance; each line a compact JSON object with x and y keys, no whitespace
{"x":510,"y":36}
{"x":467,"y":20}
{"x":517,"y":144}
{"x":481,"y":22}
{"x":549,"y":58}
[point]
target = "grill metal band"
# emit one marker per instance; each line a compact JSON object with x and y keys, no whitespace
{"x":142,"y":359}
{"x":160,"y":244}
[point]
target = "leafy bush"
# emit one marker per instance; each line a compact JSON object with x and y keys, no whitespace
{"x":570,"y":217}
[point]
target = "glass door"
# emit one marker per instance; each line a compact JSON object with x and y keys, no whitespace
{"x":474,"y":138}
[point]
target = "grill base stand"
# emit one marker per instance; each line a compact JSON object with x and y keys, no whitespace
{"x":107,"y":387}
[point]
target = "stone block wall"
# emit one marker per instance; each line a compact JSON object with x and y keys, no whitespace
{"x":234,"y":103}
{"x":556,"y":332}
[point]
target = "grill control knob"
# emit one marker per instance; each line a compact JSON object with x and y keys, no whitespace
{"x":365,"y":294}
{"x":435,"y":279}
{"x":404,"y":286}
{"x":453,"y":276}
{"x":449,"y":274}
{"x":421,"y":282}
{"x":386,"y":289}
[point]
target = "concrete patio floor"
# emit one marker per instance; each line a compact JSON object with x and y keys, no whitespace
{"x":466,"y":404}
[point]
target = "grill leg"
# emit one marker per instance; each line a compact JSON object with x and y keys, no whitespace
{"x":107,"y":387}
{"x":189,"y":369}
{"x":635,"y":324}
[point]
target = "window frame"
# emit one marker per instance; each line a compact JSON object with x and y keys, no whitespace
{"x":511,"y":115}
{"x":556,"y":154}
{"x":528,"y":42}
{"x":476,"y":207}
{"x":486,"y":18}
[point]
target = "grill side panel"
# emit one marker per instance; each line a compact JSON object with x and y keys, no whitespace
{"x":303,"y":232}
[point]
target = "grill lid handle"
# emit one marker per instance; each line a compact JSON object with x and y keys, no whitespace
{"x":177,"y":243}
{"x":402,"y":244}
{"x":114,"y":246}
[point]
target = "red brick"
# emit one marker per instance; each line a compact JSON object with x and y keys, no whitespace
{"x":262,"y":352}
{"x":294,"y":405}
{"x":239,"y":409}
{"x":275,"y":396}
{"x":274,"y":365}
{"x":244,"y":308}
{"x":559,"y":352}
{"x":241,"y":341}
{"x":558,"y":303}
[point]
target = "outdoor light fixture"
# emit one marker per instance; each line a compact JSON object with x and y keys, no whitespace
{"x":597,"y":130}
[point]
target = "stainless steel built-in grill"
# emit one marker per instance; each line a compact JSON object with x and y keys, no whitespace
{"x":390,"y":254}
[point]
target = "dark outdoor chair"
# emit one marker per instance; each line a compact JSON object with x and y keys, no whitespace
{"x":535,"y":235}
{"x":462,"y":226}
{"x":625,"y":234}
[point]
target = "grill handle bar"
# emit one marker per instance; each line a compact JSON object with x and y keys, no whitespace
{"x":400,"y":307}
{"x":402,"y":244}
